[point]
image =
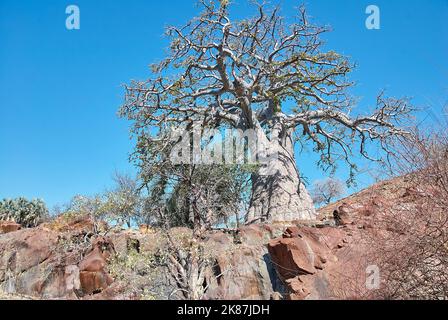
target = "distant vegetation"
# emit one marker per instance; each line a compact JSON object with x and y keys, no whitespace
{"x":28,"y":213}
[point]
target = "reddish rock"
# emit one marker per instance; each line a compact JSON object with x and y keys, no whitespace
{"x":24,"y":249}
{"x":292,"y":232}
{"x":301,"y":258}
{"x":94,"y":282}
{"x":342,"y":215}
{"x":9,"y":226}
{"x":251,"y":234}
{"x":71,"y":225}
{"x":297,"y":289}
{"x":293,"y":256}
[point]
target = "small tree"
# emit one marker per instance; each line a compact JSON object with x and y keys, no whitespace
{"x":327,"y":190}
{"x":187,"y":261}
{"x":198,"y":196}
{"x":93,"y":207}
{"x":124,"y":201}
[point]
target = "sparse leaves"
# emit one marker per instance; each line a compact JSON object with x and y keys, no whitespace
{"x":264,"y":73}
{"x":241,"y":73}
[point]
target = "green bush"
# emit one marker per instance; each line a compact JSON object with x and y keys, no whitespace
{"x":28,"y":213}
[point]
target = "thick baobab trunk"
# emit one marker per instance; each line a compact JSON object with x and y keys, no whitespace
{"x":277,"y":191}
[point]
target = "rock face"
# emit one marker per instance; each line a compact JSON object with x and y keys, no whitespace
{"x":243,"y":270}
{"x":323,"y":259}
{"x":9,"y":226}
{"x":301,"y":257}
{"x":24,"y":261}
{"x":41,"y":262}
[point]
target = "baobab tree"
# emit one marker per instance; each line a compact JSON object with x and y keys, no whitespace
{"x":264,"y":74}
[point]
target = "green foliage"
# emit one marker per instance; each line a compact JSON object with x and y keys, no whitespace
{"x":28,"y":213}
{"x":213,"y":192}
{"x":193,"y":195}
{"x":123,"y":266}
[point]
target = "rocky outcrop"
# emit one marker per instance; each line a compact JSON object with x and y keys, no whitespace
{"x":243,"y":268}
{"x":93,"y":277}
{"x":9,"y":226}
{"x":45,"y":263}
{"x":24,"y":261}
{"x":323,"y":259}
{"x":333,"y":260}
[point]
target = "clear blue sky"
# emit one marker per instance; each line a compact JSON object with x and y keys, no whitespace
{"x":60,"y":89}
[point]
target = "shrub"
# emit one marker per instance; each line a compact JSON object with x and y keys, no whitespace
{"x":414,"y":258}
